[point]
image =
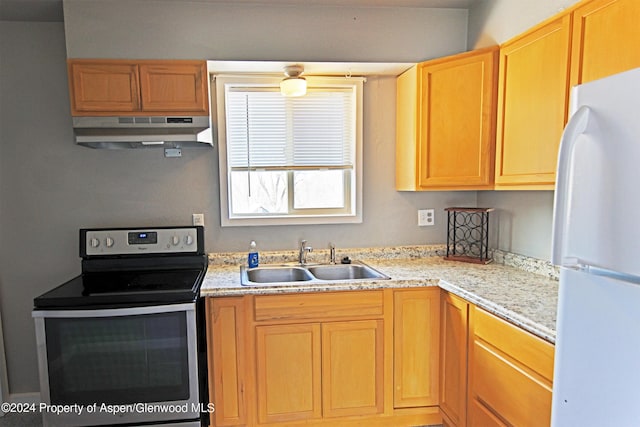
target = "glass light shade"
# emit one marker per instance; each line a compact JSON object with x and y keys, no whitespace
{"x":293,"y":86}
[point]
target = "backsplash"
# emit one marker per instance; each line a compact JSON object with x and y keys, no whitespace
{"x":522,"y":262}
{"x":532,"y":265}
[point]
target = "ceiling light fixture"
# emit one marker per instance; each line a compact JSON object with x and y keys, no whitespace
{"x":294,"y":84}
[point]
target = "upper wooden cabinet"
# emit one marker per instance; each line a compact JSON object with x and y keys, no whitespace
{"x":605,"y":39}
{"x":594,"y":39}
{"x":114,"y":87}
{"x":532,"y":105}
{"x":445,"y":123}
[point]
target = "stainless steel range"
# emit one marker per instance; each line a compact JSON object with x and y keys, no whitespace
{"x":123,"y":343}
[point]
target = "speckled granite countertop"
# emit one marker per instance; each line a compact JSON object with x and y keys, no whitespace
{"x":521,"y":290}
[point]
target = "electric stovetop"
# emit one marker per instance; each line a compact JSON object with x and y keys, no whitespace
{"x":124,"y":267}
{"x":124,"y":288}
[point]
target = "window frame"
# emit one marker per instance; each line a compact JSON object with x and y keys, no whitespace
{"x":320,"y":216}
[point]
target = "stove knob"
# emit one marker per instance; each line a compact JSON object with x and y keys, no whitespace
{"x":109,"y":242}
{"x":188,"y":239}
{"x":94,"y":242}
{"x":175,"y":240}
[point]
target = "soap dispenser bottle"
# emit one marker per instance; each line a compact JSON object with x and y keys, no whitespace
{"x":253,"y":258}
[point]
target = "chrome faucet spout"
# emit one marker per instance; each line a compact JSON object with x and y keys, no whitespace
{"x":304,"y":249}
{"x":332,"y":253}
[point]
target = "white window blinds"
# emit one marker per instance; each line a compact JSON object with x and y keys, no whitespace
{"x":268,"y":131}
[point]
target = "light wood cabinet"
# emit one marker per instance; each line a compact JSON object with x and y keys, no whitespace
{"x":445,"y":123}
{"x":310,"y":371}
{"x":331,"y":367}
{"x":416,"y":347}
{"x":592,"y":40}
{"x":288,"y":372}
{"x":113,"y":87}
{"x":532,"y":105}
{"x":392,"y":357}
{"x":605,"y":39}
{"x":510,"y":374}
{"x":103,"y":87}
{"x":226,"y":329}
{"x":325,"y":359}
{"x":453,"y":360}
{"x":353,"y":368}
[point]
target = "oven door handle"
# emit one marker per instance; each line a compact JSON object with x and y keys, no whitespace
{"x":115,"y":312}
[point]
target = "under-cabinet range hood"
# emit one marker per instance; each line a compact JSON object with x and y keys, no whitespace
{"x":142,"y":131}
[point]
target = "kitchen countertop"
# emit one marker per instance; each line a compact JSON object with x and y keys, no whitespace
{"x":524,"y":298}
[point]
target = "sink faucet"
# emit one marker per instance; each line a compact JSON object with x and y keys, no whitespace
{"x":302,"y":256}
{"x":332,"y":253}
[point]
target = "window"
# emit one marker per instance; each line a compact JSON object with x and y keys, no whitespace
{"x":289,"y":160}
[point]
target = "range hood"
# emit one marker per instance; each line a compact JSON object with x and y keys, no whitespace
{"x":142,"y":131}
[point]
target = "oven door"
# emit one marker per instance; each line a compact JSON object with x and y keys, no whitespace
{"x":117,"y":366}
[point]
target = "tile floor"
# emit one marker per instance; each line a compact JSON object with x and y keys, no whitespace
{"x":21,"y":420}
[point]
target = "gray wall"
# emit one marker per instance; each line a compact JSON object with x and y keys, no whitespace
{"x":522,"y":221}
{"x":196,"y":29}
{"x":496,"y":21}
{"x":49,"y":187}
{"x":37,"y":184}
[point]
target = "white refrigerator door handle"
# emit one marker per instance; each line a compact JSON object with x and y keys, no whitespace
{"x":577,"y":125}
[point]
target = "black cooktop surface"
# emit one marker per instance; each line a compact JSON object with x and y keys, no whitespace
{"x":123,"y":288}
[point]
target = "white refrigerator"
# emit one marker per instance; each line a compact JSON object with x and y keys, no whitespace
{"x":596,"y":242}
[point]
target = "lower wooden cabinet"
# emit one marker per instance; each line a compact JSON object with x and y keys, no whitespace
{"x":391,"y":357}
{"x":416,"y":343}
{"x":353,"y":357}
{"x":510,"y":374}
{"x":325,"y":359}
{"x":226,"y":350}
{"x":313,"y":370}
{"x":453,"y":359}
{"x":289,"y":371}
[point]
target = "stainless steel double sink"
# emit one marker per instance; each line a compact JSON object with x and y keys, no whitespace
{"x":294,"y":274}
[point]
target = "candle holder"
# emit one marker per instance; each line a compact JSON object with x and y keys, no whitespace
{"x":468,"y":235}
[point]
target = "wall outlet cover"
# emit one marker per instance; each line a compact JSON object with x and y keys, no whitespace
{"x":197,"y":219}
{"x":426,"y":217}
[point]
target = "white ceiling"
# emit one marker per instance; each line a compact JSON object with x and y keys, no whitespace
{"x":51,"y":10}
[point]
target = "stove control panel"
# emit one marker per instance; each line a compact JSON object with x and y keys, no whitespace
{"x":129,"y":241}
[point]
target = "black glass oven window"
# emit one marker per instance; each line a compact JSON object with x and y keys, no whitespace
{"x":117,"y":360}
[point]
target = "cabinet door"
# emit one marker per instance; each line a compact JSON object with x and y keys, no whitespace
{"x":532,"y":106}
{"x":457,"y":121}
{"x":352,"y":368}
{"x":416,"y":342}
{"x":103,"y":87}
{"x":453,"y":357}
{"x":288,"y":372}
{"x":226,"y":352}
{"x":445,"y":123}
{"x":174,"y":88}
{"x":407,"y":111}
{"x":510,"y":375}
{"x":605,"y":39}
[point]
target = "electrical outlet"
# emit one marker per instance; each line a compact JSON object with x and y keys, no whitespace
{"x":197,"y":219}
{"x":426,"y":217}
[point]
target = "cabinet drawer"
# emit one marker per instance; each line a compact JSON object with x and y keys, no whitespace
{"x":527,"y":349}
{"x":326,"y":305}
{"x":510,"y":375}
